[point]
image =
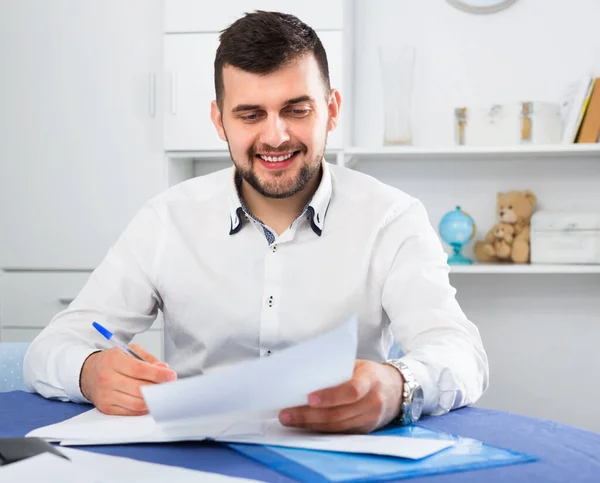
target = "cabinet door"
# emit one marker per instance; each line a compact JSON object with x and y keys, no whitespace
{"x":189,"y":63}
{"x":196,"y":16}
{"x":31,"y":299}
{"x":190,"y":90}
{"x":81,"y":133}
{"x":151,"y":340}
{"x":332,"y":41}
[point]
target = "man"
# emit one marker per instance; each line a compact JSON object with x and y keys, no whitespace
{"x":273,"y":251}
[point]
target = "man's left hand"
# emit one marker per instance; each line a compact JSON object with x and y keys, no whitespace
{"x":368,"y":401}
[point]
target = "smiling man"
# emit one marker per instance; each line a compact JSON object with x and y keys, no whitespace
{"x":281,"y":247}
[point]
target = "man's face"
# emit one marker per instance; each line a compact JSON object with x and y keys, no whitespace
{"x":276,"y":125}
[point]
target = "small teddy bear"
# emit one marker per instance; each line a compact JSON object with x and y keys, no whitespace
{"x":514,"y":208}
{"x":502,"y":246}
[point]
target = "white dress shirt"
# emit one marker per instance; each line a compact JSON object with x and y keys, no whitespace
{"x":232,"y":290}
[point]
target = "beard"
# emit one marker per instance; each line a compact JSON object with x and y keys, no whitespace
{"x":280,"y":186}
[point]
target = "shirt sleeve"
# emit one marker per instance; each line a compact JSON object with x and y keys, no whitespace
{"x":119,"y":295}
{"x":442,"y":348}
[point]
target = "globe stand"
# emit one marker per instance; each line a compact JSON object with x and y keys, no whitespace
{"x":457,"y":228}
{"x":458,"y":258}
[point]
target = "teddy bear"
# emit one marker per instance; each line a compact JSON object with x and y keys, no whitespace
{"x":502,"y":246}
{"x":514,"y":208}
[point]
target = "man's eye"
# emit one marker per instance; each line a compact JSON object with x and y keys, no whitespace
{"x":250,"y":117}
{"x":299,"y":112}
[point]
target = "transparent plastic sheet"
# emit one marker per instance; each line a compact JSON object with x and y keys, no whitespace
{"x":323,"y":467}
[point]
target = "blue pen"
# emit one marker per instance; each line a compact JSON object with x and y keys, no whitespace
{"x":116,"y":342}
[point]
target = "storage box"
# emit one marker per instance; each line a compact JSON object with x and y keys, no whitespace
{"x":565,"y":237}
{"x":509,"y":124}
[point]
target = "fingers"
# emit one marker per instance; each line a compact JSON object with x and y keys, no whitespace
{"x":363,"y":415}
{"x":363,"y":423}
{"x":113,"y":410}
{"x":128,"y":366}
{"x":128,"y":385}
{"x":134,"y":405}
{"x":144,"y":354}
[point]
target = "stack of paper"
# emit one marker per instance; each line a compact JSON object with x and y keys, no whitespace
{"x":240,"y":404}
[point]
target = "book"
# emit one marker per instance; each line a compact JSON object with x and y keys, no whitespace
{"x":574,"y":102}
{"x":590,"y":125}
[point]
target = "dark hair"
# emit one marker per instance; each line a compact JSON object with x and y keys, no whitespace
{"x":262,"y":42}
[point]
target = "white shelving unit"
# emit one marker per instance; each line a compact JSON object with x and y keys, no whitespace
{"x":351,"y":156}
{"x":354,"y":155}
{"x":485,"y":268}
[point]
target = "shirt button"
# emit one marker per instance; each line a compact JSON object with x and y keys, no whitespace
{"x":268,"y":353}
{"x":274,"y":248}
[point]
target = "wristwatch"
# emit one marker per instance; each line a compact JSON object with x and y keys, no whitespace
{"x":412,"y":395}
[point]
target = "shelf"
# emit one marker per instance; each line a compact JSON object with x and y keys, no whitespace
{"x":484,"y":268}
{"x":353,"y":155}
{"x":223,"y":155}
{"x":590,"y":151}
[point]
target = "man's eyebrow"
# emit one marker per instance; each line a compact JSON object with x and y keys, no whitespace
{"x":296,"y":100}
{"x":245,"y":107}
{"x":255,"y":107}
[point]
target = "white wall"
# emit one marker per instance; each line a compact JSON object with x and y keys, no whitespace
{"x":527,"y":52}
{"x":541,"y":332}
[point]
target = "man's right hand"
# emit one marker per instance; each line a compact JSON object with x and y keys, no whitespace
{"x":111,"y":380}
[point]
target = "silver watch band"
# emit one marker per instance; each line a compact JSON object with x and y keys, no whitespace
{"x":412,"y":394}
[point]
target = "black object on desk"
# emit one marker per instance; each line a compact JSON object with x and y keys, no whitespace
{"x":16,"y":449}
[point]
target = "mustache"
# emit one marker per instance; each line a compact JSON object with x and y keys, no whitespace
{"x":252,"y":152}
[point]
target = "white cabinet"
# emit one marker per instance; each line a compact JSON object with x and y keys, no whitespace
{"x":190,"y":89}
{"x":29,"y":301}
{"x":189,"y":60}
{"x":198,"y":16}
{"x":80,"y":127}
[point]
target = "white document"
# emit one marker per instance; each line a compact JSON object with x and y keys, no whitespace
{"x":87,"y":467}
{"x":398,"y":446}
{"x":260,"y":387}
{"x":46,"y":467}
{"x":115,"y":469}
{"x":271,"y":432}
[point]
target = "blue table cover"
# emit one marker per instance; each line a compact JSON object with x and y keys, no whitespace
{"x":566,"y":454}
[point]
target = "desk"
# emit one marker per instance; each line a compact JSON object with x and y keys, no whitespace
{"x":567,"y":454}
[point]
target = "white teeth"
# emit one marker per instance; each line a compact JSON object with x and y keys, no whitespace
{"x":276,"y":159}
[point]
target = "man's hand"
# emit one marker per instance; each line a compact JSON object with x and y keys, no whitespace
{"x":111,"y":380}
{"x":370,"y":400}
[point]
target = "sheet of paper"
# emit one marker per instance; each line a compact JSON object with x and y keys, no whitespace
{"x":88,"y":467}
{"x":116,"y":469}
{"x":48,"y":468}
{"x":273,"y":433}
{"x":262,"y":386}
{"x":93,"y":423}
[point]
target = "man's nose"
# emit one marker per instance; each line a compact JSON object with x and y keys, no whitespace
{"x":275,"y":132}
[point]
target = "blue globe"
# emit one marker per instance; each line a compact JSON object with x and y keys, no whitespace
{"x":457,"y":229}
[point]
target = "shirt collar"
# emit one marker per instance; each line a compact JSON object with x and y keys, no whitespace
{"x":316,"y":208}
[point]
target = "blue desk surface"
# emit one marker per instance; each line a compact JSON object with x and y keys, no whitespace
{"x":567,"y":454}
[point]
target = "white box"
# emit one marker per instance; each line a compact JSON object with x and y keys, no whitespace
{"x":565,"y":237}
{"x":510,"y":124}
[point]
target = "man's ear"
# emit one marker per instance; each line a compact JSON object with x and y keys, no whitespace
{"x":334,"y":106}
{"x":217,"y":119}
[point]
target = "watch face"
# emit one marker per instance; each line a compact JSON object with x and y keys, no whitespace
{"x":417,"y":404}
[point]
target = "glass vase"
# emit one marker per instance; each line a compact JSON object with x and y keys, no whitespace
{"x":397,"y":72}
